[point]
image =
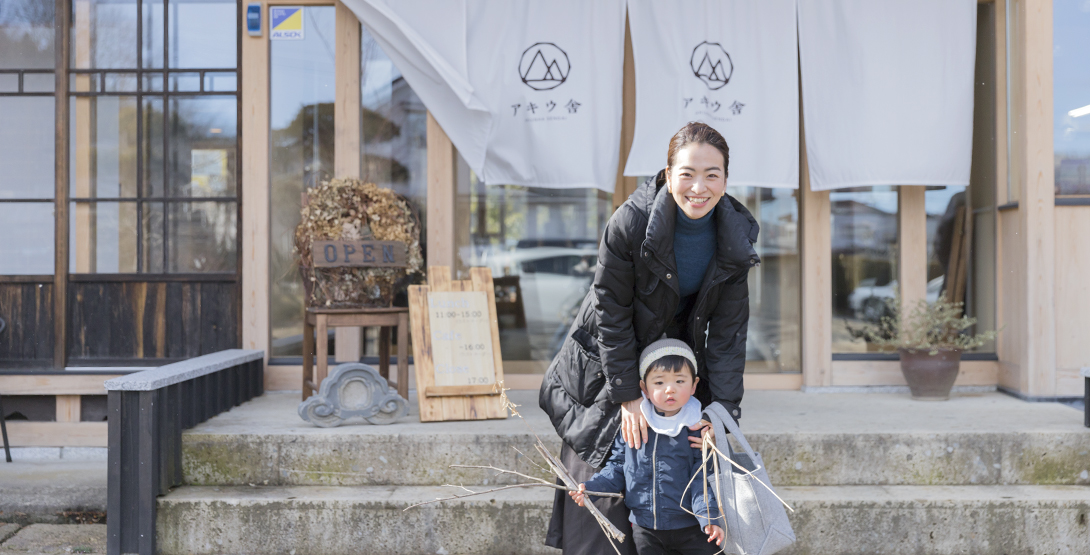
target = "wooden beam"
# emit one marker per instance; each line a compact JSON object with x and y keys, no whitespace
{"x":346,"y":104}
{"x":441,"y":218}
{"x":255,"y":188}
{"x":625,"y":186}
{"x":851,"y":373}
{"x":68,"y":408}
{"x":912,"y":235}
{"x":1039,"y":199}
{"x":346,"y":139}
{"x":815,"y":246}
{"x":57,"y":434}
{"x":76,"y":384}
{"x":60,"y":182}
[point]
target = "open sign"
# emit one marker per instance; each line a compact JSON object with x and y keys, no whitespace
{"x":366,"y":254}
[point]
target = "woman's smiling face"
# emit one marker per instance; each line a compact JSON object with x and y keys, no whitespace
{"x":698,"y":179}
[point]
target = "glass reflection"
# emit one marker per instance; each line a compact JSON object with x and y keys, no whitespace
{"x":203,"y":34}
{"x":26,"y":34}
{"x":960,"y":250}
{"x":542,"y":248}
{"x":26,"y":147}
{"x":864,"y":260}
{"x":103,"y":237}
{"x":104,"y":34}
{"x":301,"y":119}
{"x":203,"y":237}
{"x":773,"y":343}
{"x":202,"y":146}
{"x":1071,"y":96}
{"x":103,"y":147}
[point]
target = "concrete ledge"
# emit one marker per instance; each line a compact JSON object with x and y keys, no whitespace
{"x":52,"y":492}
{"x":171,"y":374}
{"x":849,"y":519}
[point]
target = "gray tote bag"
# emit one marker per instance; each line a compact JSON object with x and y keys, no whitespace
{"x":756,"y":522}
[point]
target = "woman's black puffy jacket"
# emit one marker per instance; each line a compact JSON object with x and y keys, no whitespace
{"x":632,"y":304}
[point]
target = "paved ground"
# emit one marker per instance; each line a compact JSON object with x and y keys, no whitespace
{"x":55,"y":492}
{"x":52,"y":538}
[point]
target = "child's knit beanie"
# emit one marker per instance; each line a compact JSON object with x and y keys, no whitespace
{"x":665,"y":347}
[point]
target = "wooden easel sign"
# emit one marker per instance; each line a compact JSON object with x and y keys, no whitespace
{"x":456,"y":346}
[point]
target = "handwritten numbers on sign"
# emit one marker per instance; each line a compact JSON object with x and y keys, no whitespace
{"x":461,"y":338}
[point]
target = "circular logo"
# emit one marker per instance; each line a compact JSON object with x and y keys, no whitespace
{"x":711,"y":64}
{"x":544,"y":66}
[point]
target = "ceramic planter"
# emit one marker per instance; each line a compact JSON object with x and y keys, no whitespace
{"x":930,"y":376}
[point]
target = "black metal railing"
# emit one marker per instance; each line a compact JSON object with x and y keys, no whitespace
{"x":148,"y":411}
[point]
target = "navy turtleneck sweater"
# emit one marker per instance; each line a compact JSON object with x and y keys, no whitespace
{"x":694,"y":248}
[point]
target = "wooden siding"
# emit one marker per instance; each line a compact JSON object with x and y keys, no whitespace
{"x":172,"y":320}
{"x":27,"y":308}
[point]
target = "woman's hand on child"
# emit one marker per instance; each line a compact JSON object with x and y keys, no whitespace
{"x":707,"y":431}
{"x":578,"y":496}
{"x":715,"y":534}
{"x":633,"y":424}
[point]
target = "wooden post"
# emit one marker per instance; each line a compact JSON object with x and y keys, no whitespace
{"x":815,"y":245}
{"x":60,"y":192}
{"x":625,"y":186}
{"x":346,"y":140}
{"x":912,"y":235}
{"x":441,"y":248}
{"x":255,"y":188}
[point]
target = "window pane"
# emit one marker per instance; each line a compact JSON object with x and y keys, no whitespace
{"x":542,"y":248}
{"x":205,"y":34}
{"x":151,"y":42}
{"x":104,"y":34}
{"x":1071,"y":96}
{"x":153,"y":144}
{"x":203,"y":237}
{"x":774,"y":343}
{"x":301,"y":119}
{"x":26,"y":238}
{"x":103,"y":237}
{"x":39,"y":82}
{"x":26,"y":34}
{"x":393,"y":128}
{"x":27,"y":148}
{"x":203,"y":143}
{"x":864,"y":269}
{"x":103,"y":147}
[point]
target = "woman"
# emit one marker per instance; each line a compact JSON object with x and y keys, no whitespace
{"x":673,"y":263}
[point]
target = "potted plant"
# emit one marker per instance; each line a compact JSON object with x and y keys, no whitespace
{"x":930,"y":340}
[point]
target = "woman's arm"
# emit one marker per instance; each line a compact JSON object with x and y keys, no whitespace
{"x":726,"y":350}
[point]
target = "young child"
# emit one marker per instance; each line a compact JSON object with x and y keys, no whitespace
{"x":654,"y":476}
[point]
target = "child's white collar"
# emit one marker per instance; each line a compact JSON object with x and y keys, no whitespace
{"x":671,"y":425}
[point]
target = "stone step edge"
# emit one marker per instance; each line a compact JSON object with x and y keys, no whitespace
{"x":829,"y":495}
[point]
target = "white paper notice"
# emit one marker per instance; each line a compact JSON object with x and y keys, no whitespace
{"x":461,"y":338}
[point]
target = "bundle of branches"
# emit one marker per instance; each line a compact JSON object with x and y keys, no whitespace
{"x":555,"y":466}
{"x":349,"y":209}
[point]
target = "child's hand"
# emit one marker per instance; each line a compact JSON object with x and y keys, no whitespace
{"x":715,"y":533}
{"x":578,"y":496}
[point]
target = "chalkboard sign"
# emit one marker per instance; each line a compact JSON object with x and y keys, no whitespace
{"x":456,"y":342}
{"x":360,"y":254}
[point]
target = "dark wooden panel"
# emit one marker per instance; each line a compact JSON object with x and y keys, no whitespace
{"x":27,"y":309}
{"x":153,"y":320}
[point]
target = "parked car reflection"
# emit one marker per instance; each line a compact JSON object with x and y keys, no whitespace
{"x":869,"y":300}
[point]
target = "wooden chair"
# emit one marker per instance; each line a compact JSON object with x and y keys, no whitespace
{"x":316,"y":353}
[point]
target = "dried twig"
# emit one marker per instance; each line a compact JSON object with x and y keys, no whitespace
{"x":542,"y":482}
{"x":611,"y":531}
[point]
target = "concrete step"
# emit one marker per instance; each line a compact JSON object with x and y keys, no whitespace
{"x":969,"y":441}
{"x":305,"y":520}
